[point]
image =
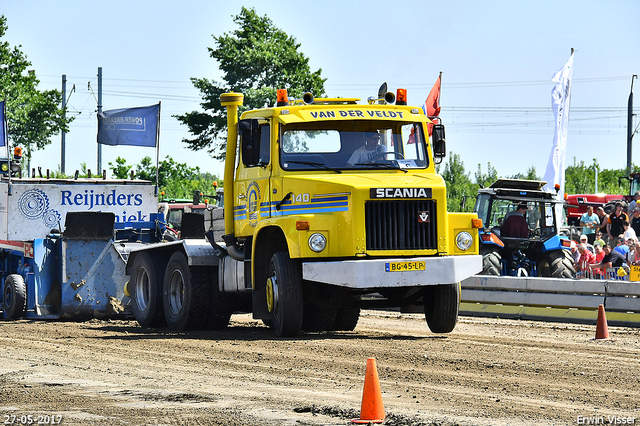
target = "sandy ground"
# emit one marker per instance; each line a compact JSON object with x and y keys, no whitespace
{"x":487,"y":372}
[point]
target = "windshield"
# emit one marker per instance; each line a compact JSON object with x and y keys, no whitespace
{"x":353,"y":145}
{"x":539,"y":214}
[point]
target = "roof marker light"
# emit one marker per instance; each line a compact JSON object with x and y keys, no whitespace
{"x":282,"y":97}
{"x":401,"y":97}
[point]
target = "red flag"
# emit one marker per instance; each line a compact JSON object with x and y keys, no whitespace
{"x":431,"y":106}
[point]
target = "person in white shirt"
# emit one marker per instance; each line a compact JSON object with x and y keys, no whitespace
{"x":371,"y":150}
{"x":629,"y":232}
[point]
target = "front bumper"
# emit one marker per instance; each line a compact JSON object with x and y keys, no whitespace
{"x":371,"y":273}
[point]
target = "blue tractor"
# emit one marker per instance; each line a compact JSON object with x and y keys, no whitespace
{"x":520,"y":235}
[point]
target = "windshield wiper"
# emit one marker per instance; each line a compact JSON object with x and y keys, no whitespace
{"x":382,"y":166}
{"x":311,"y":163}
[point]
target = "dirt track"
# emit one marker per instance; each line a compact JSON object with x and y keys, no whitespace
{"x":487,"y":372}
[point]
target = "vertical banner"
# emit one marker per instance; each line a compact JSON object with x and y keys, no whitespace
{"x":431,"y":106}
{"x":129,"y":126}
{"x":561,"y":103}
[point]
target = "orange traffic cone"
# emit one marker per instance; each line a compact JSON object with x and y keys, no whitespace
{"x":371,"y":410}
{"x":602,"y":330}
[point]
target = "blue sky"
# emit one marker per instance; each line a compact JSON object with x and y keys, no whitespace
{"x":497,"y":60}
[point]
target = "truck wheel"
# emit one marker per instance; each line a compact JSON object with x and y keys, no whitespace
{"x":491,"y":262}
{"x":346,"y":319}
{"x":14,"y":296}
{"x":184,"y":295}
{"x":146,"y":292}
{"x":557,"y":264}
{"x":441,"y":304}
{"x":318,"y":318}
{"x":220,"y":305}
{"x":284,"y":295}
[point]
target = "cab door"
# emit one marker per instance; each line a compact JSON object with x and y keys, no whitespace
{"x":252,"y":187}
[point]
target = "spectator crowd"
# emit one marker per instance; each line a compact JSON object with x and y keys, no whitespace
{"x":608,"y":241}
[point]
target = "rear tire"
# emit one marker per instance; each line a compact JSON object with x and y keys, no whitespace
{"x":557,"y":264}
{"x":491,"y":262}
{"x":184,"y":295}
{"x":14,"y":296}
{"x":441,"y":305}
{"x":145,"y":288}
{"x":284,"y":295}
{"x":221,"y":304}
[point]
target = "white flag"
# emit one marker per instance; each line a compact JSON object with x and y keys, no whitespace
{"x":560,"y":102}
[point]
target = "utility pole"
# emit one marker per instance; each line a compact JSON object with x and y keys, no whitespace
{"x":630,"y":131}
{"x":99,"y":170}
{"x":64,"y":116}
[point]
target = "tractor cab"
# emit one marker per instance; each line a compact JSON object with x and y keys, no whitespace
{"x":520,"y":232}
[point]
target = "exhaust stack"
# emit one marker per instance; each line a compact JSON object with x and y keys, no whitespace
{"x":231,"y":101}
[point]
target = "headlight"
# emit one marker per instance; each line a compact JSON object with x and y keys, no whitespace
{"x":464,"y":241}
{"x":317,"y":242}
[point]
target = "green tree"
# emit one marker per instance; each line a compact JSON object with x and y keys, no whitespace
{"x":458,"y":183}
{"x":530,"y":174}
{"x":33,"y":116}
{"x":120,"y":170}
{"x":256,"y":59}
{"x":175,"y":180}
{"x":580,"y":179}
{"x":484,"y":180}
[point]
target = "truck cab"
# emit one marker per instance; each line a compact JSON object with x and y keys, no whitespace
{"x":352,"y":216}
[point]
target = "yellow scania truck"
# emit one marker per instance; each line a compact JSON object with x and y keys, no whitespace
{"x":330,"y":206}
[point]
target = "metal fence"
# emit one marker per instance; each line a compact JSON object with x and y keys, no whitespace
{"x":619,"y":273}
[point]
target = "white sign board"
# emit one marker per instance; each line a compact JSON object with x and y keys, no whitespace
{"x":35,"y":207}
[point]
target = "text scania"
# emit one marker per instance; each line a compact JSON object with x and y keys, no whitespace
{"x":90,"y":199}
{"x":357,"y":113}
{"x":401,"y":193}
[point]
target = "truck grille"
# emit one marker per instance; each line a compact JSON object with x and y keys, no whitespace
{"x":395,"y":225}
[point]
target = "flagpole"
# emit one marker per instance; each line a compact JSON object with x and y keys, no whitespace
{"x":158,"y":147}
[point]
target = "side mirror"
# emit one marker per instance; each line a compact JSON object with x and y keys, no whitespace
{"x":196,"y":197}
{"x":249,"y":131}
{"x":438,"y":141}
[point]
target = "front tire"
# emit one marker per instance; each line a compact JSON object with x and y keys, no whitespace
{"x":441,"y":305}
{"x":284,"y":295}
{"x":184,"y":295}
{"x":146,"y":292}
{"x":346,"y":319}
{"x":14,"y":296}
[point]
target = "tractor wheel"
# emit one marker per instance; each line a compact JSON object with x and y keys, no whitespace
{"x":284,"y":295}
{"x":441,"y":305}
{"x":185,"y":295}
{"x":145,"y":288}
{"x":557,"y":264}
{"x":14,"y":296}
{"x":491,"y":262}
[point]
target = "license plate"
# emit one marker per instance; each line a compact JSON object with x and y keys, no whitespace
{"x":404,"y":266}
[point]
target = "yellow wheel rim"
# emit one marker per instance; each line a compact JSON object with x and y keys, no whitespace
{"x":269,"y":291}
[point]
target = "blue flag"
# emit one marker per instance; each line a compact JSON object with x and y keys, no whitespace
{"x":129,"y":126}
{"x":3,"y":124}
